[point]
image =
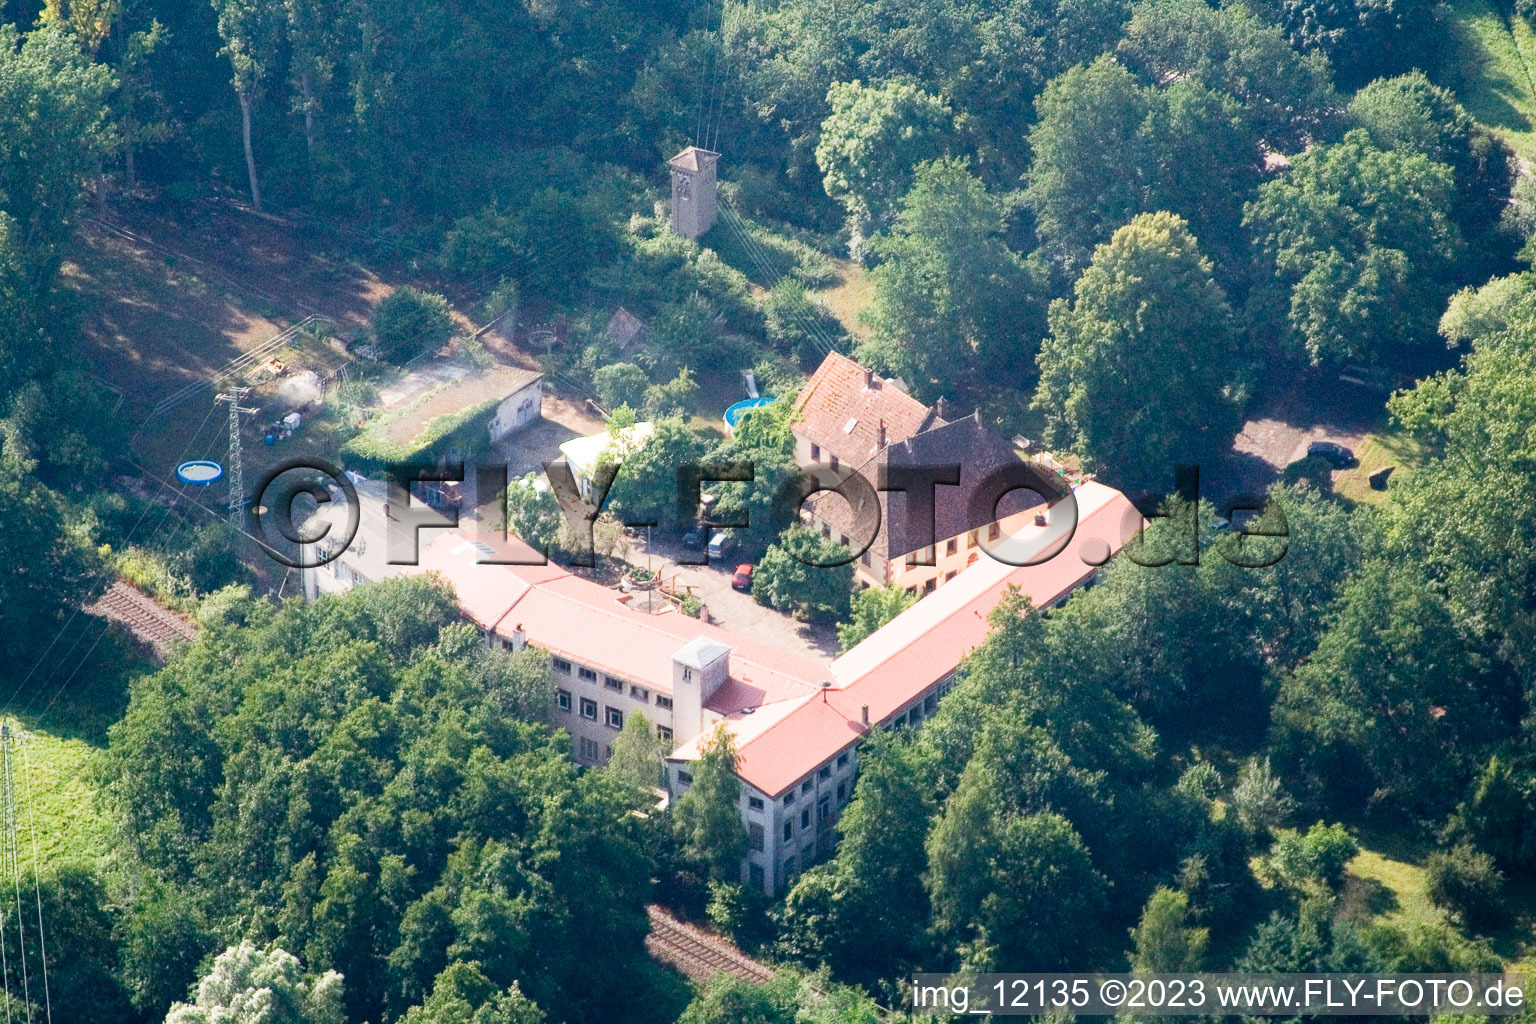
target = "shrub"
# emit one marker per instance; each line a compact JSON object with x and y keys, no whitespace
{"x":1311,"y":471}
{"x":674,"y":398}
{"x":1317,"y":856}
{"x":621,"y":384}
{"x":1467,"y":884}
{"x":691,"y":606}
{"x":798,"y":326}
{"x":408,"y":322}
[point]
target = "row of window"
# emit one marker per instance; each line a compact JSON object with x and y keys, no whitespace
{"x":825,"y":772}
{"x":613,"y":683}
{"x":612,"y":717}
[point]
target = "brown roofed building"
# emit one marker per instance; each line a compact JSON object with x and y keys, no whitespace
{"x":850,"y":418}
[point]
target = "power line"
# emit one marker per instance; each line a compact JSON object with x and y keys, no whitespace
{"x":13,"y":864}
{"x":37,"y":885}
{"x":15,"y":690}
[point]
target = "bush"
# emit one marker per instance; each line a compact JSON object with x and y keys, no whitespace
{"x":798,"y":326}
{"x":691,"y":606}
{"x":621,"y":384}
{"x":1311,"y":471}
{"x":408,"y":322}
{"x":674,"y":398}
{"x":1466,"y":884}
{"x":1317,"y":856}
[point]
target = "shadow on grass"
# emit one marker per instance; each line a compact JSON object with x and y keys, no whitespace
{"x":80,"y":686}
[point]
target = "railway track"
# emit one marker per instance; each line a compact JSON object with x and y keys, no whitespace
{"x":151,"y":623}
{"x":697,"y":955}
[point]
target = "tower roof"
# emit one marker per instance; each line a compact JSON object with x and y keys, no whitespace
{"x":693,"y":159}
{"x":701,"y":652}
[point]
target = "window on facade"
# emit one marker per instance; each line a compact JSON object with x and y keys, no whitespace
{"x":970,"y":541}
{"x":929,"y":584}
{"x":755,"y":873}
{"x":826,"y":531}
{"x":789,"y":798}
{"x":930,"y":703}
{"x":640,"y":694}
{"x":589,"y":709}
{"x":994,"y":531}
{"x":684,"y":778}
{"x":755,"y":803}
{"x":615,"y":718}
{"x":950,"y":575}
{"x":687,"y":675}
{"x":842,"y":539}
{"x":805,"y":819}
{"x":805,"y":787}
{"x":951,"y":546}
{"x":824,"y":808}
{"x":865,"y":557}
{"x":972,"y":559}
{"x":663,"y":702}
{"x":825,"y":773}
{"x":586,"y":750}
{"x":563,"y":699}
{"x":663,"y":733}
{"x":613,"y":684}
{"x":807,"y":854}
{"x":815,"y":453}
{"x":587,"y":675}
{"x":755,"y":838}
{"x":561,"y":665}
{"x":833,"y":463}
{"x":842,"y":791}
{"x":842,"y":760}
{"x":789,"y":830}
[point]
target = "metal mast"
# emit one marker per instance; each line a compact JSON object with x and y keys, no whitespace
{"x":236,"y":475}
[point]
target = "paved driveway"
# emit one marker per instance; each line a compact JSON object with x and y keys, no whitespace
{"x":729,"y":608}
{"x":1316,"y":407}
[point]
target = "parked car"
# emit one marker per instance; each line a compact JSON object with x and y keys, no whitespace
{"x":1331,"y":452}
{"x":721,"y":544}
{"x":693,"y":539}
{"x":742,"y":580}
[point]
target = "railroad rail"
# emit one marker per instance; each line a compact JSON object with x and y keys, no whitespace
{"x":152,"y":623}
{"x":697,"y":955}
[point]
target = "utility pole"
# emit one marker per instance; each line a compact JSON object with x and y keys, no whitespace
{"x":236,"y":475}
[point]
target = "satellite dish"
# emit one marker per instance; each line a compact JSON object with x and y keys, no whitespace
{"x":199,"y":472}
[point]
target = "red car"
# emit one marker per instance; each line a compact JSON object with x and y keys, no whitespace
{"x":743,"y":578}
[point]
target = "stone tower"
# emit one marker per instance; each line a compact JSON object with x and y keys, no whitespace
{"x":693,"y":191}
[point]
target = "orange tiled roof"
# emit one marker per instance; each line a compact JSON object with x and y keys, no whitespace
{"x":923,"y":645}
{"x":843,"y":408}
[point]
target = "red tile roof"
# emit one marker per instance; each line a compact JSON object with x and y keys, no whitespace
{"x":794,"y":725}
{"x":923,"y":645}
{"x":598,"y":627}
{"x":843,"y":407}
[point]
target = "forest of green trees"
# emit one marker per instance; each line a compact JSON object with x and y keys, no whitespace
{"x":1120,"y":220}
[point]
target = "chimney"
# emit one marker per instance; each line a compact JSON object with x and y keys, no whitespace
{"x":869,"y":378}
{"x":880,"y":436}
{"x":864,"y":715}
{"x":941,"y":408}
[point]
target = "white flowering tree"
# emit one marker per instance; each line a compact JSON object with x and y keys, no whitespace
{"x":248,"y":985}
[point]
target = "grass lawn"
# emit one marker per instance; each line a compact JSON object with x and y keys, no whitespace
{"x":1385,"y":882}
{"x":1496,"y":68}
{"x":848,"y":297}
{"x":54,"y":778}
{"x":1386,"y":448}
